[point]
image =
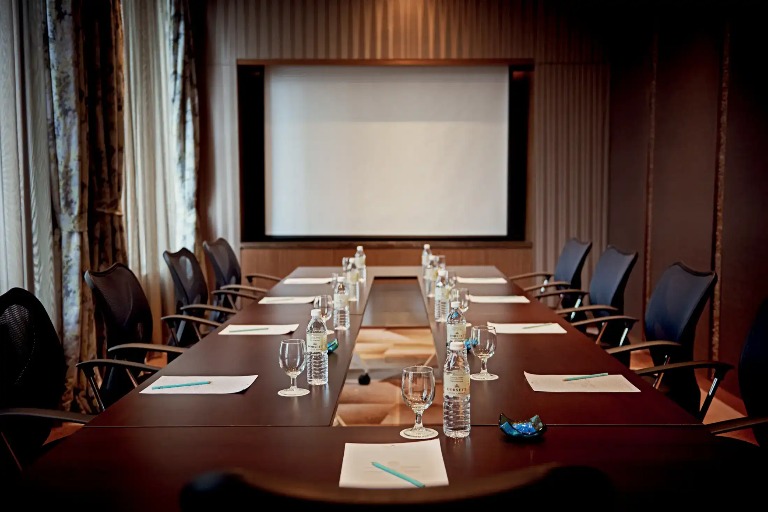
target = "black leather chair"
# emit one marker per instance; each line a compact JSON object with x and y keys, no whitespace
{"x":32,"y":376}
{"x":228,"y":275}
{"x":673,"y":311}
{"x":536,"y":487}
{"x":605,"y":296}
{"x":567,"y":273}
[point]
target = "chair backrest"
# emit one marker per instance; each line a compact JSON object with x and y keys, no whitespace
{"x":570,"y":263}
{"x":121,"y":302}
{"x":226,"y":267}
{"x":610,"y":278}
{"x":672,"y":314}
{"x":752,"y":371}
{"x":188,"y":278}
{"x":534,"y":487}
{"x":32,"y":369}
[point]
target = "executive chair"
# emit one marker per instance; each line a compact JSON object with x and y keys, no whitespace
{"x":228,"y":275}
{"x":192,"y":294}
{"x":605,"y":296}
{"x":32,"y":375}
{"x":567,"y":273}
{"x":536,"y":487}
{"x":671,"y":315}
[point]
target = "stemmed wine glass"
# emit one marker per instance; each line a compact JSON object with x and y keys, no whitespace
{"x":462,"y":296}
{"x":485,"y":338}
{"x":418,"y":387}
{"x":325,"y":304}
{"x":293,"y":360}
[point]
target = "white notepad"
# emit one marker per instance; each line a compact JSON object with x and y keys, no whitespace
{"x":287,"y":300}
{"x":245,"y":329}
{"x":199,"y":385}
{"x":481,"y":280}
{"x":556,"y":384}
{"x":499,"y":299}
{"x":421,"y":461}
{"x":307,"y":280}
{"x":530,"y":328}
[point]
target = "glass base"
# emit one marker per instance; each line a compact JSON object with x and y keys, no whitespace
{"x":483,"y":376}
{"x":418,"y":433}
{"x":293,"y":392}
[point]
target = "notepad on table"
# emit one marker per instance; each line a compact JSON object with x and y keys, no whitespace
{"x":602,"y":384}
{"x":421,"y":462}
{"x":287,"y":300}
{"x":307,"y":280}
{"x":528,"y":328}
{"x":481,"y":280}
{"x":199,"y":385}
{"x":245,"y":329}
{"x":499,"y":299}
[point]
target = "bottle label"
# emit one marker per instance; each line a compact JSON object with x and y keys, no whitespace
{"x":317,"y":342}
{"x":456,"y":384}
{"x":340,"y":300}
{"x":434,"y":274}
{"x":424,"y":259}
{"x":457,"y":332}
{"x":441,"y":293}
{"x":360,"y":261}
{"x":353,"y":276}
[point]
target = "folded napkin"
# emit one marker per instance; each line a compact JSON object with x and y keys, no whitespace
{"x":287,"y":300}
{"x":602,"y":384}
{"x":243,"y":329}
{"x":199,"y":385}
{"x":499,"y":299}
{"x":536,"y":328}
{"x":481,"y":280}
{"x":307,"y":280}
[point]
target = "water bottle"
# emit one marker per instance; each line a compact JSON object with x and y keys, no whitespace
{"x":360,"y":263}
{"x":352,"y":277}
{"x":429,"y":272}
{"x":441,"y":296}
{"x":425,"y":254}
{"x":317,"y":350}
{"x":456,"y":422}
{"x":455,"y":324}
{"x":340,"y":305}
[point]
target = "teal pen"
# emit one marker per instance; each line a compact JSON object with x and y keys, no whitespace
{"x":536,"y":325}
{"x":182,"y":384}
{"x":580,"y":377}
{"x":249,"y":330}
{"x":398,"y":474}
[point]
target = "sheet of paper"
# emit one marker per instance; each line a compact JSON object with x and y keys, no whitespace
{"x":499,"y":299}
{"x":307,"y":280}
{"x":199,"y":385}
{"x":530,"y":328}
{"x":603,"y":384}
{"x":287,"y":300}
{"x":481,"y":280}
{"x":247,"y":329}
{"x":419,"y":460}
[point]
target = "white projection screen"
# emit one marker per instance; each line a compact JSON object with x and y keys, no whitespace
{"x":384,"y":151}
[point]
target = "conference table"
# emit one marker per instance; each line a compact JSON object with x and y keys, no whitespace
{"x":139,"y":452}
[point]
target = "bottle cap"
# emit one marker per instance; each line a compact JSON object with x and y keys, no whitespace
{"x":457,"y":345}
{"x":426,"y":246}
{"x":359,"y":247}
{"x":315,"y":312}
{"x":454,"y":304}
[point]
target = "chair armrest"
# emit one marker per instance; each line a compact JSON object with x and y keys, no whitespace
{"x":50,"y":414}
{"x":149,"y":347}
{"x":586,"y":309}
{"x":627,"y":320}
{"x":725,"y":426}
{"x":546,"y":285}
{"x":189,"y":318}
{"x":256,"y":275}
{"x":244,"y":288}
{"x":228,"y":292}
{"x":208,"y":307}
{"x":529,"y":275}
{"x":117,"y":363}
{"x":644,"y":345}
{"x":567,"y":291}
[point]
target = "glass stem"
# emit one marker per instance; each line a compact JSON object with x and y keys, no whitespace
{"x":418,"y":424}
{"x":483,"y":366}
{"x":293,"y":382}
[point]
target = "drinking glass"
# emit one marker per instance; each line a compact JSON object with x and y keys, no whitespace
{"x":418,"y":387}
{"x":293,"y":360}
{"x":325,"y":304}
{"x":462,"y":296}
{"x":440,"y":261}
{"x":485,"y":337}
{"x":452,"y":279}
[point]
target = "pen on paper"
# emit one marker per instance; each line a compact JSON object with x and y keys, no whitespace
{"x":398,"y":474}
{"x":580,"y":377}
{"x":536,"y":325}
{"x":182,"y":384}
{"x":250,"y":329}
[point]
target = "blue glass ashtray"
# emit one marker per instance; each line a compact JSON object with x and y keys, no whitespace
{"x":333,"y":345}
{"x":522,"y":430}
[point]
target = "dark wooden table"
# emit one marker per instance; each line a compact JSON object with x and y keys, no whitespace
{"x":139,"y":452}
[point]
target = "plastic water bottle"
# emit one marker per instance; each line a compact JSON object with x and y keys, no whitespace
{"x":425,"y":254}
{"x":317,"y":350}
{"x":442,"y":292}
{"x":360,"y":263}
{"x":455,"y":325}
{"x":456,"y":421}
{"x":352,"y":277}
{"x":340,"y":305}
{"x":429,"y":272}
